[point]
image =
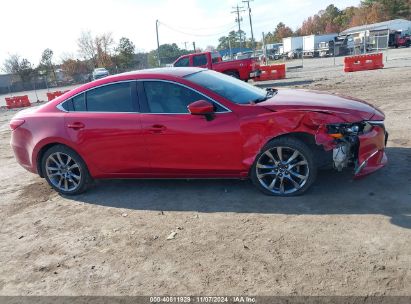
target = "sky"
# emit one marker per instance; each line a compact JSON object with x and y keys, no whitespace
{"x":27,"y":27}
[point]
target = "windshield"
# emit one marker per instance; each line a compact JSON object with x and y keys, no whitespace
{"x":228,"y":87}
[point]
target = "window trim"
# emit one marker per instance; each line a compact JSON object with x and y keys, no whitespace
{"x":134,"y":98}
{"x":144,"y":97}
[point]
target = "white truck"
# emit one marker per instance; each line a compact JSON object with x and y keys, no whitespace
{"x":293,"y":46}
{"x":311,"y":43}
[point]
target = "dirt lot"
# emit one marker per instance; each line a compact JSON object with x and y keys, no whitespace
{"x":344,"y":237}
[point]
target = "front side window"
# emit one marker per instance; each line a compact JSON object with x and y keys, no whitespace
{"x":111,"y":98}
{"x":199,"y":60}
{"x":183,"y":62}
{"x":166,"y":97}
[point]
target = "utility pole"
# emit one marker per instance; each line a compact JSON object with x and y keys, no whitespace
{"x":251,"y":22}
{"x":194,"y":46}
{"x":264,"y":47}
{"x":158,"y":45}
{"x":185,"y":44}
{"x":238,"y":20}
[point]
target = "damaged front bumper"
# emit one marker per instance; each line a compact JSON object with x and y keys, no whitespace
{"x":371,"y":154}
{"x":360,"y":145}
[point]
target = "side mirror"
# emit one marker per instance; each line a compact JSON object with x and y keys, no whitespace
{"x":202,"y":107}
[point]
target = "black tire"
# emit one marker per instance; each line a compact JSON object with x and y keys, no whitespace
{"x":80,"y":170}
{"x":232,"y":74}
{"x":287,"y":145}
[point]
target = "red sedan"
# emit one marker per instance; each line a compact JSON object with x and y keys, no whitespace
{"x":196,"y":123}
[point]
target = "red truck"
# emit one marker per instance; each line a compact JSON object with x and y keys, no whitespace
{"x":243,"y":69}
{"x":397,"y":39}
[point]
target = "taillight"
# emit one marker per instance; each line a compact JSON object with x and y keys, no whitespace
{"x":15,"y":123}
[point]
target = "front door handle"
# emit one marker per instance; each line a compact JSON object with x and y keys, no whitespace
{"x":75,"y":125}
{"x":157,"y":128}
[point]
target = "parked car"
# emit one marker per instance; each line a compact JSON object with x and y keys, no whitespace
{"x":295,"y":54}
{"x":275,"y":56}
{"x":196,"y":123}
{"x":244,"y":55}
{"x":243,"y":69}
{"x":99,"y":73}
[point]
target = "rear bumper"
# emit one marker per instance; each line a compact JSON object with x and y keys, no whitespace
{"x":371,"y":151}
{"x":20,"y":142}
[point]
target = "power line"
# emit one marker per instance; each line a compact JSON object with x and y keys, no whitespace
{"x":196,"y":34}
{"x":205,"y":28}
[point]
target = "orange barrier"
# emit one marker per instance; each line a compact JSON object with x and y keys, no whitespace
{"x":363,"y":62}
{"x":17,"y":102}
{"x":271,"y":72}
{"x":52,"y":95}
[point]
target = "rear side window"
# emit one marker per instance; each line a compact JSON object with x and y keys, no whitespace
{"x":111,"y":98}
{"x":215,"y":57}
{"x":199,"y":60}
{"x":183,"y":62}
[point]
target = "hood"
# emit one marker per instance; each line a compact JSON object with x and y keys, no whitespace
{"x":303,"y":100}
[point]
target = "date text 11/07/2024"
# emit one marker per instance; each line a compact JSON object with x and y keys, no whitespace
{"x":205,"y":299}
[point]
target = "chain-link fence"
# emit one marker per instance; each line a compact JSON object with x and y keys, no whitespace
{"x":332,"y":55}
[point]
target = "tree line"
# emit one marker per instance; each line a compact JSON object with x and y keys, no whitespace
{"x":334,"y":20}
{"x":94,"y":51}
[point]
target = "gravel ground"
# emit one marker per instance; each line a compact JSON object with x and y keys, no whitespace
{"x":343,"y":237}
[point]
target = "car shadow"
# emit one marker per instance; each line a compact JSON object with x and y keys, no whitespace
{"x":386,"y":192}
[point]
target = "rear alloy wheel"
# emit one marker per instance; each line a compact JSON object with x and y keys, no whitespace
{"x":65,"y":171}
{"x":285,"y":167}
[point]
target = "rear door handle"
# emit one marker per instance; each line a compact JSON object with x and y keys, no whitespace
{"x":75,"y":125}
{"x":157,"y":128}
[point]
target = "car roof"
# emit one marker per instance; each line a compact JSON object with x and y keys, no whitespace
{"x":158,"y":73}
{"x":172,"y":71}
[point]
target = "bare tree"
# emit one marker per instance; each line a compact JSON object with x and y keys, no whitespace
{"x":46,"y":66}
{"x":104,"y":44}
{"x":87,"y":47}
{"x":21,"y":67}
{"x":96,"y":49}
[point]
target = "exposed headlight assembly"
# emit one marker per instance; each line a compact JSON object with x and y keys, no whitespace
{"x":344,"y":129}
{"x":346,"y":136}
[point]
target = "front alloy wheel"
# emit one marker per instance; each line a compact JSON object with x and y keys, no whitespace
{"x":285,"y":167}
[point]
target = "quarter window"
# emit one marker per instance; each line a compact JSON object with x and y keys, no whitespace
{"x":111,"y":98}
{"x":166,"y":97}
